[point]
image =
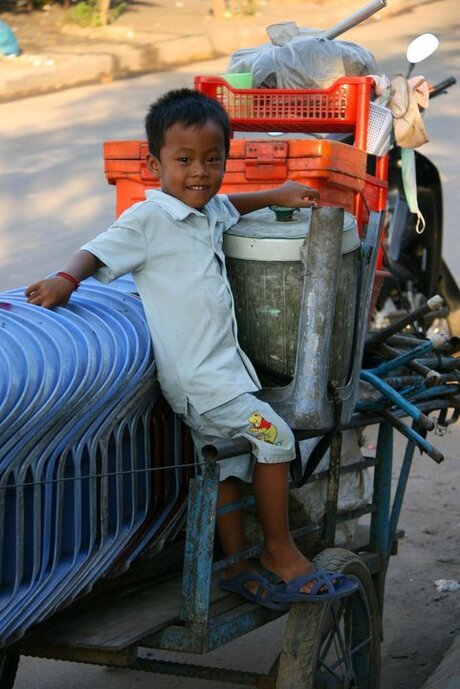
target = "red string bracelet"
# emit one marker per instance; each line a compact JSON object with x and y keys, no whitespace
{"x":69,"y":277}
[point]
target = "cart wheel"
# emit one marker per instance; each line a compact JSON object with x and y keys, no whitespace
{"x":8,"y":667}
{"x":334,"y":646}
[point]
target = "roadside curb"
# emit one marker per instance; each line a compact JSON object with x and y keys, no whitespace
{"x":104,"y":55}
{"x":101,"y":62}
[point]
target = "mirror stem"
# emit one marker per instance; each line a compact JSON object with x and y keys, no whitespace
{"x":409,"y":71}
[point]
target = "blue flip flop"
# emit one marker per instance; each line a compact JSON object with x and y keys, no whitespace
{"x":263,"y":595}
{"x":334,"y":586}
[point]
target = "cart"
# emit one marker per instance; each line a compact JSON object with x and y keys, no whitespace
{"x":179,"y":608}
{"x":172,"y":603}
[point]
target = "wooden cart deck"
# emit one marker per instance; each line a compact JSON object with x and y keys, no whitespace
{"x":109,"y":627}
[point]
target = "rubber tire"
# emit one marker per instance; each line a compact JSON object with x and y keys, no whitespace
{"x":309,"y":628}
{"x":8,"y":668}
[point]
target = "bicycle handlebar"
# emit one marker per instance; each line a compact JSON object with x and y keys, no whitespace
{"x":437,"y":89}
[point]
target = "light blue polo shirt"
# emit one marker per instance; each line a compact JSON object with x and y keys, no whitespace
{"x":174,"y":253}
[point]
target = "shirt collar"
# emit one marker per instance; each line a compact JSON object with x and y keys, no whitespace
{"x":177,"y":209}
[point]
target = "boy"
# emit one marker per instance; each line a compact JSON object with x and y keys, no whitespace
{"x":172,"y":244}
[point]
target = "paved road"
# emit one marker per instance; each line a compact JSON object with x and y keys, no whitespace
{"x":55,"y":196}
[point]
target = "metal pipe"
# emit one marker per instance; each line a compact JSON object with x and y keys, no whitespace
{"x":381,"y":500}
{"x":354,"y":19}
{"x":380,"y":337}
{"x":401,"y":489}
{"x":402,"y":359}
{"x":431,"y":376}
{"x":422,"y":419}
{"x":412,"y":435}
{"x":404,"y":341}
{"x":224,"y":449}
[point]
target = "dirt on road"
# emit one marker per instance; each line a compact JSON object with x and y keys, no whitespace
{"x":421,"y":621}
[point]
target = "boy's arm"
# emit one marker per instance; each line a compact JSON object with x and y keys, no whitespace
{"x":56,"y":291}
{"x":290,"y":194}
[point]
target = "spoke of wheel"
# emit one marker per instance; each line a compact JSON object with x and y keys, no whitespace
{"x":340,"y":639}
{"x":357,"y":648}
{"x":364,"y":642}
{"x":330,"y":631}
{"x":334,"y":636}
{"x":330,"y":670}
{"x":325,"y":649}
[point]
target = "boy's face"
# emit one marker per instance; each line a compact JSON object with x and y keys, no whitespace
{"x":191,"y":163}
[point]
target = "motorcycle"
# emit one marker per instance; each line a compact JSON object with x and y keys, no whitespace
{"x":417,"y":269}
{"x":414,"y":259}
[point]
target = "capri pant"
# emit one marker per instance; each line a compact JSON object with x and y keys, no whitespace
{"x":243,"y":417}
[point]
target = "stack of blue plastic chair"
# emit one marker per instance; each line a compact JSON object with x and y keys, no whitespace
{"x":90,"y":454}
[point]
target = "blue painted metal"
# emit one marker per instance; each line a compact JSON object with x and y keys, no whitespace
{"x":400,"y":492}
{"x":240,"y":504}
{"x":413,"y":393}
{"x":414,"y":436}
{"x":397,"y":399}
{"x":398,"y":361}
{"x":199,"y":547}
{"x":199,"y":631}
{"x":451,"y":388}
{"x":442,"y":362}
{"x":379,"y":541}
{"x":382,"y":489}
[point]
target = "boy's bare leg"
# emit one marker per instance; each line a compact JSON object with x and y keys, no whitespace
{"x":232,"y":534}
{"x":280,"y":554}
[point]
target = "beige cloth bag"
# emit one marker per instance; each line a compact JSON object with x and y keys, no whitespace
{"x":409,"y":130}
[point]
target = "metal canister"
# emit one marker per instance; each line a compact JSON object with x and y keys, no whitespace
{"x":266,"y":273}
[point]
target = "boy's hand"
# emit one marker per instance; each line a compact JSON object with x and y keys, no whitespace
{"x":56,"y":291}
{"x":295,"y":195}
{"x":50,"y":292}
{"x":290,"y":194}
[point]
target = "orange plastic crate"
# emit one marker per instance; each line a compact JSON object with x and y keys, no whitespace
{"x":343,"y":107}
{"x":336,"y":170}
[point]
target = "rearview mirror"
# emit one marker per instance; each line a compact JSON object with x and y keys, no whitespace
{"x":421,"y":47}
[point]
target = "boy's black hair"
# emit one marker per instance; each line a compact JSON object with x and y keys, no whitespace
{"x":190,"y":108}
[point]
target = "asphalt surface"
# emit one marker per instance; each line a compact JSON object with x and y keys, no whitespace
{"x":153,"y":35}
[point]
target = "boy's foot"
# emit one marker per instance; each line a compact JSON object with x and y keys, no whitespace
{"x":324,"y":586}
{"x":254,"y":587}
{"x":290,"y":567}
{"x":287,"y":563}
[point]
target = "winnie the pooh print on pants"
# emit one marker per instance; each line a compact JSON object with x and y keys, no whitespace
{"x":263,"y":429}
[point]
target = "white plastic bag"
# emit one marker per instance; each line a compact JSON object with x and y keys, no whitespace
{"x":299,"y":58}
